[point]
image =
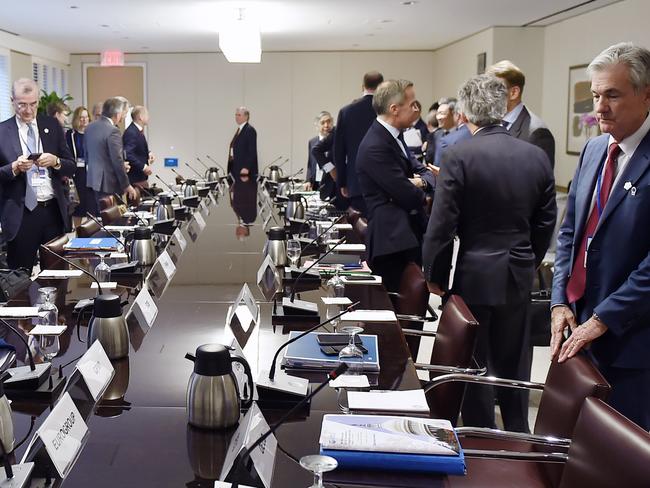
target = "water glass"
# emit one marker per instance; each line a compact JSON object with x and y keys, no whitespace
{"x":318,"y":465}
{"x":293,"y":251}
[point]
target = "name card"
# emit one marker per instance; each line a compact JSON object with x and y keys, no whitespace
{"x":203,"y":208}
{"x":168,"y":266}
{"x":213,"y":199}
{"x":96,"y":369}
{"x":145,"y":308}
{"x":63,"y":433}
{"x":180,"y":238}
{"x":199,"y":220}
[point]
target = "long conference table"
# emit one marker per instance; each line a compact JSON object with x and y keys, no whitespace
{"x":139,"y":436}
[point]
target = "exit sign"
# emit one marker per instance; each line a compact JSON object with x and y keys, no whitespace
{"x":112,"y":58}
{"x":171,"y":162}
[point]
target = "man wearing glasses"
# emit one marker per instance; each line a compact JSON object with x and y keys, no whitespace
{"x":33,"y":160}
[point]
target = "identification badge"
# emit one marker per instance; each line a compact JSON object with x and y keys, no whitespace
{"x":81,"y":163}
{"x":589,"y":239}
{"x":38,"y":177}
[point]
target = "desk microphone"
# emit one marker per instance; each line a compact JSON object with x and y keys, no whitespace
{"x":293,"y":288}
{"x":273,"y":162}
{"x":178,"y":174}
{"x":212,"y":159}
{"x":140,"y":219}
{"x":322,"y":234}
{"x":195,"y":171}
{"x":114,"y":236}
{"x":169,"y":187}
{"x":332,"y":375}
{"x":303,"y":334}
{"x":76,"y":266}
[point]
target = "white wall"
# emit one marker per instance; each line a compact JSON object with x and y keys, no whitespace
{"x":192,"y":97}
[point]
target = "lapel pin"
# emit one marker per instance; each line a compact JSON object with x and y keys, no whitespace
{"x":627,"y":185}
{"x":46,"y":130}
{"x":633,"y":191}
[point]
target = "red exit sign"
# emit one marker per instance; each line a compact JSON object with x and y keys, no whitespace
{"x":112,"y":58}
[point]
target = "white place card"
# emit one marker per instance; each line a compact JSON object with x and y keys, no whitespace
{"x":223,"y":484}
{"x":118,"y":255}
{"x":167,"y":264}
{"x":369,"y":316}
{"x":212,"y":199}
{"x":96,"y":369}
{"x":199,"y":220}
{"x":237,"y":441}
{"x":263,"y":456}
{"x":409,"y":401}
{"x":63,"y":433}
{"x":51,"y":330}
{"x":60,"y":273}
{"x":336,"y":301}
{"x":18,"y":312}
{"x":180,"y":238}
{"x":203,"y":208}
{"x":106,"y":285}
{"x":145,"y":307}
{"x":350,"y":381}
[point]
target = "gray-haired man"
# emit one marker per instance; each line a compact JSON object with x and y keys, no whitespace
{"x":497,"y":194}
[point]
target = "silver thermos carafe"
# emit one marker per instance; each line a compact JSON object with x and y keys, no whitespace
{"x":295,"y":209}
{"x":189,"y":188}
{"x":109,"y":327}
{"x":275,"y":173}
{"x":212,"y":398}
{"x":212,"y":174}
{"x":164,"y":209}
{"x":143,"y":249}
{"x":284,"y":185}
{"x":276,"y":246}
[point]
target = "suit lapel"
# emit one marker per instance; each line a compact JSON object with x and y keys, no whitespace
{"x":14,"y":137}
{"x":585,"y":190}
{"x":515,"y":130}
{"x":634,"y":170}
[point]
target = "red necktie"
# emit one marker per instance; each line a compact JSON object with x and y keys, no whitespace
{"x":576,"y":286}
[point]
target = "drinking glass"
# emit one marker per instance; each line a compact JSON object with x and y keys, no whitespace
{"x":318,"y":465}
{"x":336,"y":284}
{"x":102,"y":270}
{"x":293,"y":251}
{"x":49,"y":346}
{"x":47,"y":311}
{"x":351,"y":354}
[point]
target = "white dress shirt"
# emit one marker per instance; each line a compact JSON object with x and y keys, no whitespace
{"x":394,"y":131}
{"x":44,"y":190}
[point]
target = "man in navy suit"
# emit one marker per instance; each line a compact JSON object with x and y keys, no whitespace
{"x":453,"y":128}
{"x":33,"y":207}
{"x":601,"y":285}
{"x":352,"y":124}
{"x":521,"y":122}
{"x":395,"y":204}
{"x":497,"y":194}
{"x":242,"y":155}
{"x":136,"y":148}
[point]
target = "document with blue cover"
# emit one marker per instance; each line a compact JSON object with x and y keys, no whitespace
{"x":392,"y":443}
{"x":92,"y":244}
{"x":306,"y":353}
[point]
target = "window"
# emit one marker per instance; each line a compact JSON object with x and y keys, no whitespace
{"x":5,"y":88}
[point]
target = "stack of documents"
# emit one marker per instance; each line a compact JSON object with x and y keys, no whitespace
{"x":306,"y":353}
{"x":92,"y":244}
{"x":407,"y":401}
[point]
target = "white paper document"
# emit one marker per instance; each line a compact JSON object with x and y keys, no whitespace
{"x":336,"y":301}
{"x":369,"y":316}
{"x":60,"y":273}
{"x":350,"y":381}
{"x":107,"y":285}
{"x":18,"y":312}
{"x":53,"y":330}
{"x":351,"y":248}
{"x":411,"y":401}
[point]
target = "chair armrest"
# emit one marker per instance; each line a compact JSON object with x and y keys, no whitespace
{"x":513,"y":436}
{"x":419,"y":333}
{"x":548,"y":457}
{"x":484,"y":380}
{"x":438,"y":368}
{"x":411,"y":318}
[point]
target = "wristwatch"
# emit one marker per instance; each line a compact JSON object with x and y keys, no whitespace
{"x":58,"y":163}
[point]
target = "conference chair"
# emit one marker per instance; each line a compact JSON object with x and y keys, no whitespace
{"x":606,"y":450}
{"x":107,"y":202}
{"x":453,"y":349}
{"x":49,"y":260}
{"x":567,"y":386}
{"x":360,"y":228}
{"x":88,"y":229}
{"x":111,"y":215}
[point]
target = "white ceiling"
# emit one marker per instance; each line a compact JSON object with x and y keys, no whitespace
{"x":286,"y":25}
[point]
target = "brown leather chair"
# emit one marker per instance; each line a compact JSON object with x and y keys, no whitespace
{"x":107,"y":202}
{"x":88,"y":229}
{"x":134,"y":202}
{"x":563,"y":395}
{"x":353,"y":216}
{"x":607,"y":450}
{"x":110,"y":215}
{"x":360,"y":228}
{"x":49,"y":260}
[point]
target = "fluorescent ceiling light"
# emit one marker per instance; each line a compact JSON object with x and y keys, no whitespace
{"x":240,"y":40}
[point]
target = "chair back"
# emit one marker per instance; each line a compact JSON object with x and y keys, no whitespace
{"x":412,"y":299}
{"x":88,"y":229}
{"x":107,"y":202}
{"x":606,"y":450}
{"x":454,"y":346}
{"x":360,"y":228}
{"x":49,"y":260}
{"x":110,"y":215}
{"x":352,"y":216}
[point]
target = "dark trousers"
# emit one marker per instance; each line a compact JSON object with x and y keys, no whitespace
{"x":38,"y":226}
{"x":358,"y":203}
{"x":502,"y":346}
{"x":391,"y":266}
{"x":630,"y":393}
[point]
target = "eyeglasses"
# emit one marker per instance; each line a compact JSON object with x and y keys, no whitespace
{"x":24,"y":105}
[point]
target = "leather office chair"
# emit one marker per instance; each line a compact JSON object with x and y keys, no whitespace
{"x":111,"y":214}
{"x":360,"y":228}
{"x":607,"y":450}
{"x":134,"y":202}
{"x":563,"y":395}
{"x":49,"y":260}
{"x":455,"y":340}
{"x":107,"y":202}
{"x":353,"y":216}
{"x":88,"y":229}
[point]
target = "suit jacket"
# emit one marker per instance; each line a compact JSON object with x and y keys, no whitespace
{"x":498,"y":195}
{"x":321,"y":153}
{"x":395,"y":214}
{"x":244,"y":151}
{"x":351,"y":127}
{"x":12,"y":194}
{"x":312,"y":164}
{"x":454,"y":137}
{"x":433,"y":142}
{"x":530,"y":128}
{"x":105,"y":157}
{"x":136,"y":151}
{"x":618,"y":259}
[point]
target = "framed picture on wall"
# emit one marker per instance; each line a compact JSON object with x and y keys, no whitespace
{"x":581,"y":116}
{"x":480,"y":63}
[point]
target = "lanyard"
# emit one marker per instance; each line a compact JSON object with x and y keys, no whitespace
{"x":37,"y":139}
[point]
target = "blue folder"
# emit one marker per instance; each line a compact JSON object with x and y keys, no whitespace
{"x":92,"y":244}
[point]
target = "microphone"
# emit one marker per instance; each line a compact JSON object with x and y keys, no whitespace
{"x":119,"y":199}
{"x":91,"y":217}
{"x":293,"y":288}
{"x":303,"y":334}
{"x":332,"y":375}
{"x":212,"y":159}
{"x":315,"y":240}
{"x":178,"y":174}
{"x":169,"y":187}
{"x":76,"y":266}
{"x":195,"y":171}
{"x":272,"y":162}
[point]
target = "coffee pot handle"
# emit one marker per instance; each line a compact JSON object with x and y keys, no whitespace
{"x":247,"y":369}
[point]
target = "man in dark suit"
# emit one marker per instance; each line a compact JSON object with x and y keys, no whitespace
{"x":394,"y":202}
{"x":351,"y":126}
{"x":33,"y":207}
{"x":242,"y":155}
{"x":497,"y":194}
{"x":601,"y":285}
{"x":136,"y":148}
{"x":106,"y":173}
{"x":521,"y":122}
{"x":319,"y":168}
{"x":453,"y":129}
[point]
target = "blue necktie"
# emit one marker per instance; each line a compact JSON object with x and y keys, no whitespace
{"x":30,"y":192}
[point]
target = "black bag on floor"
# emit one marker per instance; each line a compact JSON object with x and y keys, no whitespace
{"x":12,"y":282}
